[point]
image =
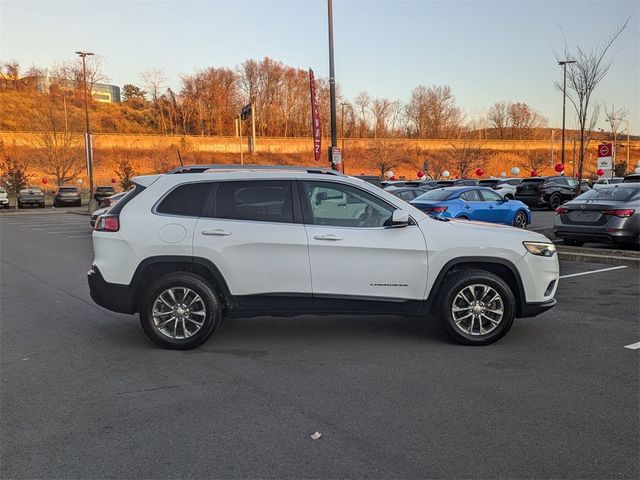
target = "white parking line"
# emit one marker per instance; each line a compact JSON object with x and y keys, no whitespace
{"x":592,"y":271}
{"x":633,"y":346}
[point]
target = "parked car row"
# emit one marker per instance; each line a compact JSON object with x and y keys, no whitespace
{"x":65,"y":196}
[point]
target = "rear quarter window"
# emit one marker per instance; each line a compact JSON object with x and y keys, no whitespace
{"x":186,"y":200}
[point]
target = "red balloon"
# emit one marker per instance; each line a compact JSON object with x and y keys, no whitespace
{"x":534,"y":173}
{"x":393,"y":178}
{"x":559,"y":167}
{"x":45,"y":181}
{"x":362,"y":173}
{"x":113,"y":180}
{"x":420,"y":174}
{"x":479,"y":172}
{"x":600,"y":172}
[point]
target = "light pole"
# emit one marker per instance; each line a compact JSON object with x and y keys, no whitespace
{"x":332,"y":88}
{"x":343,"y":104}
{"x":87,"y":135}
{"x":564,"y":97}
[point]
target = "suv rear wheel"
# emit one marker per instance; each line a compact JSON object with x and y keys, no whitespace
{"x":555,"y":201}
{"x":478,"y":307}
{"x":180,"y":311}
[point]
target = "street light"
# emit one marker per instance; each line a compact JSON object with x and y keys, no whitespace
{"x":332,"y":87}
{"x":343,"y":104}
{"x":87,"y":135}
{"x":564,"y":97}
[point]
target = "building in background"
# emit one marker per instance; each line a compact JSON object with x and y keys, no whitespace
{"x":101,"y":92}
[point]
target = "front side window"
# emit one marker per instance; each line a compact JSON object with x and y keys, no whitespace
{"x":186,"y":200}
{"x":344,"y":206}
{"x":258,"y":201}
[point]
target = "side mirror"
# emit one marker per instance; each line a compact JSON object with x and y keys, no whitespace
{"x":399,"y":218}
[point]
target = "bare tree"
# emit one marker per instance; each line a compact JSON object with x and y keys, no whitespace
{"x":59,"y":144}
{"x":465,"y":153}
{"x":154,"y":80}
{"x":384,"y":154}
{"x":590,"y":67}
{"x":362,"y":104}
{"x":536,"y":159}
{"x":498,"y":117}
{"x":432,"y":112}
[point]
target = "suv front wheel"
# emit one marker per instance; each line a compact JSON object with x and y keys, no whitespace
{"x":180,"y":311}
{"x":478,"y":307}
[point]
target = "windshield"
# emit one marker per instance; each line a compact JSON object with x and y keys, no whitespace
{"x":440,"y":194}
{"x":488,"y":183}
{"x":612,"y":193}
{"x":68,"y":189}
{"x":27,"y":190}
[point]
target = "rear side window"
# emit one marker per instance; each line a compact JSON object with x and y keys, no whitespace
{"x":259,"y":201}
{"x":186,"y":200}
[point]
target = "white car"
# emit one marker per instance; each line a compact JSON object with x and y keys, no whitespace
{"x":505,"y":187}
{"x":182,"y":250}
{"x":4,"y":198}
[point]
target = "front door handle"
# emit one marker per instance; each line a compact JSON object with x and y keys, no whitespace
{"x":216,"y":232}
{"x":328,"y":237}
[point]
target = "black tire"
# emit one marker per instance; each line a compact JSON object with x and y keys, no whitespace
{"x":520,"y":219}
{"x":573,"y":243}
{"x":212,"y":307}
{"x":463,"y":217}
{"x":41,"y":205}
{"x":458,"y":281}
{"x":555,"y":201}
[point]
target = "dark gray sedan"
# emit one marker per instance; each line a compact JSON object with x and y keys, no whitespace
{"x":608,"y":214}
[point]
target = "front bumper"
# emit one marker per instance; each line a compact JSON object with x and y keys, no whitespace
{"x":112,"y":296}
{"x":534,"y":309}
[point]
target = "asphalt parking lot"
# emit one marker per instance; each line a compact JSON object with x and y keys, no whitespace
{"x":85,"y":394}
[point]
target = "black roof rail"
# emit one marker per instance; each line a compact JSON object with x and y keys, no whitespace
{"x":204,"y":168}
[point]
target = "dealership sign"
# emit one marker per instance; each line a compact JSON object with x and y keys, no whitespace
{"x":604,"y":156}
{"x":315,"y":118}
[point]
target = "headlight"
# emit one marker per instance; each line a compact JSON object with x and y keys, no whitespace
{"x":540,"y":248}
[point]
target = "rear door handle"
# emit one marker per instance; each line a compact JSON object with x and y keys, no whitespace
{"x":216,"y":232}
{"x":331,"y":237}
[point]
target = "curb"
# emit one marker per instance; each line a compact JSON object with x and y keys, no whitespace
{"x":598,"y":258}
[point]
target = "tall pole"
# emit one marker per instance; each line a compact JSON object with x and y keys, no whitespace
{"x":564,"y":98}
{"x":87,"y":138}
{"x":342,"y":104}
{"x":332,"y":88}
{"x":628,"y":164}
{"x":253,"y":126}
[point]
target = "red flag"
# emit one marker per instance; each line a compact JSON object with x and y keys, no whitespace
{"x":315,"y":118}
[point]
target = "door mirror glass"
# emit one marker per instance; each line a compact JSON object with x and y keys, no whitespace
{"x":399,"y":218}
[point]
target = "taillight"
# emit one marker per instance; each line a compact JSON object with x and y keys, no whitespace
{"x":439,"y":209}
{"x":625,"y":212}
{"x":561,"y":210}
{"x":107,"y":223}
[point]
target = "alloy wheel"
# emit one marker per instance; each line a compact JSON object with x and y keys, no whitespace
{"x":477,"y":309}
{"x":178,"y":313}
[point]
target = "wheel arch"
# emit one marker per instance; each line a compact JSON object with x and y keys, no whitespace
{"x":501,"y":267}
{"x":154,"y":267}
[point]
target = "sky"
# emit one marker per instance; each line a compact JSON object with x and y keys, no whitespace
{"x":486,"y":51}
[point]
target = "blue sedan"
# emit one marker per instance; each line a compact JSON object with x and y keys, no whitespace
{"x":473,"y":203}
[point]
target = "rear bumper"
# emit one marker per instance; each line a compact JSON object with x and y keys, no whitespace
{"x":112,"y":296}
{"x":67,"y":200}
{"x":533,"y":200}
{"x":534,"y":309}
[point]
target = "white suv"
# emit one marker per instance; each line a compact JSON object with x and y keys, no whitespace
{"x":184,"y":249}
